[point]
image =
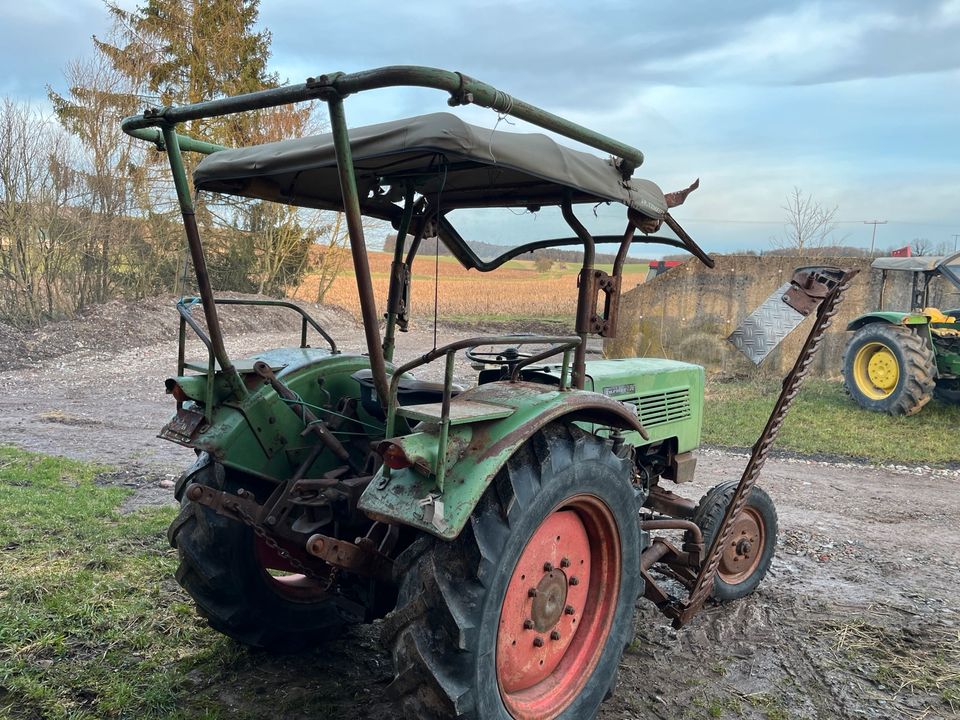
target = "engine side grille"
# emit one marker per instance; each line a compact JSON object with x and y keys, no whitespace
{"x":662,"y":407}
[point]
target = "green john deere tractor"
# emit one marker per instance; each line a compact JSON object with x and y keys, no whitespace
{"x":503,"y":532}
{"x":896,"y":361}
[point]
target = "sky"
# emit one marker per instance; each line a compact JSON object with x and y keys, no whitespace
{"x":855,"y":102}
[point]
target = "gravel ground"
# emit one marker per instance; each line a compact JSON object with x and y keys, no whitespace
{"x":858,"y":618}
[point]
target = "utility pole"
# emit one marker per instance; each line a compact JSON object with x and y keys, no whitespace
{"x":874,"y":238}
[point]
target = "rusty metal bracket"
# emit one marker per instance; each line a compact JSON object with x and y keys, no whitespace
{"x":398,"y":302}
{"x":226,"y":504}
{"x":602,"y":324}
{"x":809,"y":286}
{"x":679,"y":196}
{"x":669,"y":561}
{"x":609,"y":285}
{"x":362,"y":557}
{"x":684,"y":611}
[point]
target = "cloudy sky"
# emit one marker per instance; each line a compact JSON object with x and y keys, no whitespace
{"x":855,"y":102}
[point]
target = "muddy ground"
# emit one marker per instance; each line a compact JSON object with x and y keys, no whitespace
{"x":859,"y":617}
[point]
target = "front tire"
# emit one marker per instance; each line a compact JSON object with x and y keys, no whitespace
{"x":526,"y":614}
{"x":226,"y":570}
{"x":889,"y":368}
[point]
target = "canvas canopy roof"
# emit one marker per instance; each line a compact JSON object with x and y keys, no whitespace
{"x":924,"y":263}
{"x":465,"y":165}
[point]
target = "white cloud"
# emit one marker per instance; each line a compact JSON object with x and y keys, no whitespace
{"x":782,"y":48}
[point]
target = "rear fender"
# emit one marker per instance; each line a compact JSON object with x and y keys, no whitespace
{"x":888,"y":316}
{"x":477,"y":451}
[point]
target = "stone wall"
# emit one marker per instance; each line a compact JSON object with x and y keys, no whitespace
{"x":687,"y":313}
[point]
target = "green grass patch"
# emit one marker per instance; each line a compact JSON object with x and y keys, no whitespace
{"x":91,"y":623}
{"x":94,"y":626}
{"x":825,"y":421}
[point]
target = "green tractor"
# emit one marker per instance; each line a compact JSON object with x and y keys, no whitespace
{"x":503,"y":532}
{"x":895,"y":362}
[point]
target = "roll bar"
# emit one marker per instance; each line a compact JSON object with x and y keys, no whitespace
{"x":157,"y":125}
{"x":463,"y":90}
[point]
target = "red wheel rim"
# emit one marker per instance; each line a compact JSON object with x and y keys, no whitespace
{"x":294,"y":585}
{"x":743,"y":551}
{"x":558,"y":609}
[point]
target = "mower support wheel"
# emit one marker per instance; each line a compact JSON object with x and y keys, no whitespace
{"x":526,"y":614}
{"x":751,"y":545}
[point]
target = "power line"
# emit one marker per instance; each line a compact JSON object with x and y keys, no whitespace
{"x":729,"y":221}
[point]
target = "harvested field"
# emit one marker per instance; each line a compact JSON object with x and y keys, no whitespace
{"x":517,"y":290}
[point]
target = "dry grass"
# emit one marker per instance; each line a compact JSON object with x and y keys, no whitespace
{"x":514,"y":291}
{"x":920,"y":663}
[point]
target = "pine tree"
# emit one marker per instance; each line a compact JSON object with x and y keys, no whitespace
{"x":175,"y":52}
{"x":187,"y":51}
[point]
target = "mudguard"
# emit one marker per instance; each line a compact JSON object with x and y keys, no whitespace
{"x":887,"y":316}
{"x":476,"y":451}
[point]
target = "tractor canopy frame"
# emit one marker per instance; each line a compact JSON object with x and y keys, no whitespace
{"x":924,"y":269}
{"x":597,"y":180}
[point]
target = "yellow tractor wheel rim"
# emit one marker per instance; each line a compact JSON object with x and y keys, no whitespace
{"x":876,"y":370}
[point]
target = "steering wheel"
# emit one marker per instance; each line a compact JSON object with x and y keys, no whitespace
{"x":509,"y":356}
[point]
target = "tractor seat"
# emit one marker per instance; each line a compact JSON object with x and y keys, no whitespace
{"x":410,"y":391}
{"x":939,"y":320}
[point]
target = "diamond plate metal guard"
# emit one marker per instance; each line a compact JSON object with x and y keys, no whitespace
{"x":791,"y":386}
{"x":766,"y":327}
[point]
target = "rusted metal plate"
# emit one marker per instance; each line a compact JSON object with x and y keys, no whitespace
{"x":182,"y":426}
{"x":766,"y":327}
{"x":461,"y":411}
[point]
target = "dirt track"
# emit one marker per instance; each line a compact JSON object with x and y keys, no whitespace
{"x":859,"y":618}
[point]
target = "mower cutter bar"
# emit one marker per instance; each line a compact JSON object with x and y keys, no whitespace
{"x":682,"y":612}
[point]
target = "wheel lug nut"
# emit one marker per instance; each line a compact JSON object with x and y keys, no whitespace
{"x":564,"y":563}
{"x":528,"y":624}
{"x":538,"y":642}
{"x":548,"y":567}
{"x":574,"y":580}
{"x":532,"y":592}
{"x":554,"y":635}
{"x":569,"y":610}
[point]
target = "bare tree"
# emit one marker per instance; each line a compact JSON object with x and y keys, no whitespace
{"x":330,"y":254}
{"x":808,"y":225}
{"x":37,"y":226}
{"x":921,"y":246}
{"x":111,"y":168}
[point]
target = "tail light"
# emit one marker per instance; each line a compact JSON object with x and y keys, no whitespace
{"x":394,"y":457}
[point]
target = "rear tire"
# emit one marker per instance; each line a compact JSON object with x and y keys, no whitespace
{"x":889,"y":368}
{"x":220,"y":567}
{"x":460,"y":632}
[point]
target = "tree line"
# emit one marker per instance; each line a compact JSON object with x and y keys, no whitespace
{"x":88,"y":214}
